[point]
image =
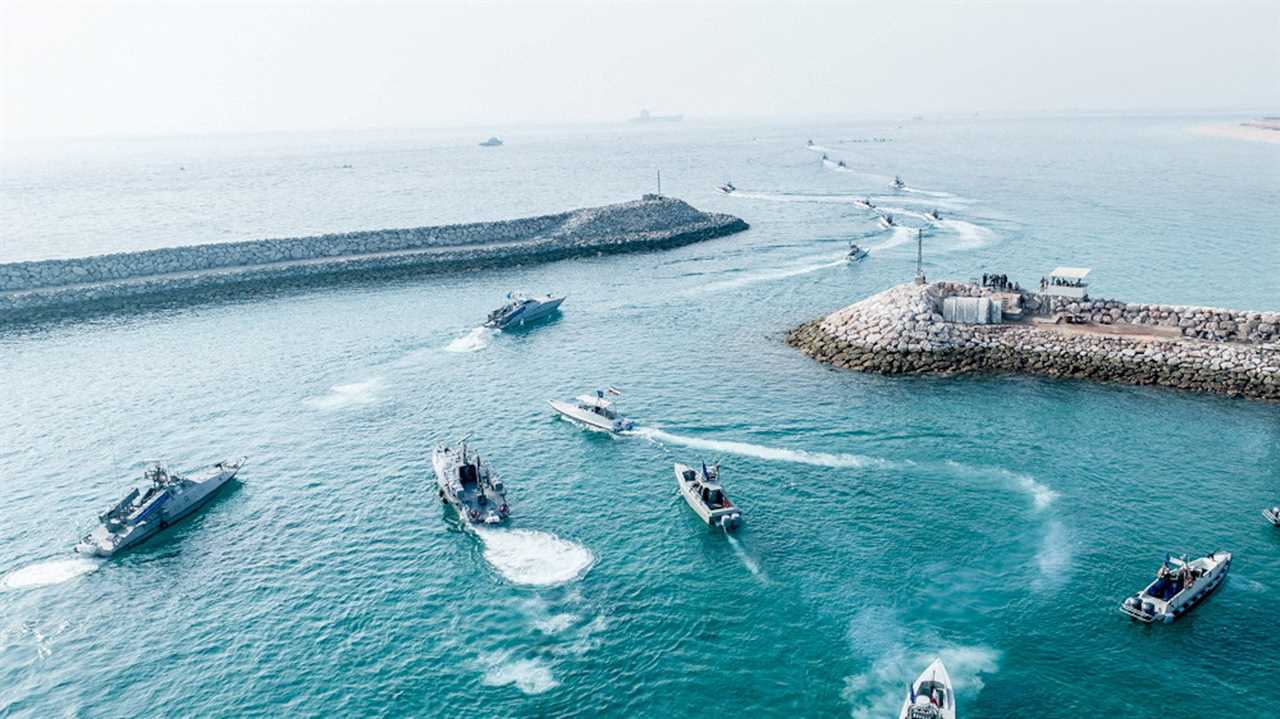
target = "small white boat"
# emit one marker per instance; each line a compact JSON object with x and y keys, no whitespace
{"x":1179,"y":585}
{"x":491,"y":142}
{"x":841,"y":164}
{"x":886,"y":221}
{"x":898,"y":184}
{"x":865,"y":202}
{"x":728,"y":188}
{"x":594,"y":412}
{"x":856,"y":253}
{"x":705,"y":496}
{"x":930,"y":696}
{"x":1272,"y":515}
{"x":933,"y":216}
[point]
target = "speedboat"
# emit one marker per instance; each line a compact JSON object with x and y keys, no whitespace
{"x":594,"y":412}
{"x":521,"y":309}
{"x":168,"y":498}
{"x":824,"y":157}
{"x":934,"y":216}
{"x":810,"y":144}
{"x":728,"y":188}
{"x":705,"y":496}
{"x":856,"y":253}
{"x":898,"y":184}
{"x":841,"y":164}
{"x":491,"y":142}
{"x":1272,"y":515}
{"x":865,"y":202}
{"x":1179,"y":585}
{"x":470,"y":486}
{"x":930,"y":695}
{"x":886,"y":221}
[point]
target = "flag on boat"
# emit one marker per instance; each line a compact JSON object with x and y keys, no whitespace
{"x":615,"y":391}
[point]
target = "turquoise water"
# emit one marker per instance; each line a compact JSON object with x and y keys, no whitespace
{"x":995,"y":522}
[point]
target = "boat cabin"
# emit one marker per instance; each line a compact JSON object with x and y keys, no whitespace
{"x":597,"y":405}
{"x":1066,"y":282}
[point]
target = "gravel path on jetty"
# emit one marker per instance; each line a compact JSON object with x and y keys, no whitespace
{"x":902,"y":331}
{"x":32,"y":289}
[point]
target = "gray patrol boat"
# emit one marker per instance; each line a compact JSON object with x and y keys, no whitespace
{"x":166,"y":500}
{"x":471,"y":487}
{"x":521,"y":309}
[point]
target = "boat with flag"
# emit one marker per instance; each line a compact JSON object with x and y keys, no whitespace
{"x":1180,"y":584}
{"x":594,"y":412}
{"x":930,"y":695}
{"x":168,"y":498}
{"x":705,"y":496}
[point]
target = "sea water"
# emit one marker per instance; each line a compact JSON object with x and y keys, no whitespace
{"x":996,"y":522}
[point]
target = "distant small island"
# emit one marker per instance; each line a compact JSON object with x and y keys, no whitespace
{"x":644,"y":116}
{"x":491,"y":142}
{"x":1262,"y":129}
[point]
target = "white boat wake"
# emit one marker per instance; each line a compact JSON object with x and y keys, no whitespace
{"x":474,"y":341}
{"x":898,"y":236}
{"x":49,"y":572}
{"x":530,"y":676}
{"x":751,"y":278}
{"x":893,"y":657}
{"x":1054,"y":556}
{"x":744,"y":449}
{"x":970,"y":236}
{"x":794,"y":197}
{"x":348,"y":395}
{"x":532,"y":558}
{"x":1041,"y":494}
{"x":747,"y":561}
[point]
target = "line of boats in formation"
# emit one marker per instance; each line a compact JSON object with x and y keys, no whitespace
{"x":478,"y":495}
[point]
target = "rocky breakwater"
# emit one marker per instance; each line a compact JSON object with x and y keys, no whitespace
{"x":902,"y":331}
{"x":31,"y":289}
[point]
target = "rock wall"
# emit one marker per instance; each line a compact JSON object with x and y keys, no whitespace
{"x":27,"y":288}
{"x":1206,"y":323}
{"x":901,"y":331}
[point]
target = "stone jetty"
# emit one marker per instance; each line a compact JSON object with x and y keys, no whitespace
{"x":902,"y":331}
{"x":32,"y":289}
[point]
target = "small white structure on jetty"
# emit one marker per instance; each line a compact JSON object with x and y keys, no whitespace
{"x":1066,"y":282}
{"x":972,"y":310}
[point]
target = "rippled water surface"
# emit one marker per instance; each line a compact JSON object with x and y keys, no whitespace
{"x":995,"y":522}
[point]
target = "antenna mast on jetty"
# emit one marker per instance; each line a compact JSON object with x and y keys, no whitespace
{"x":659,"y":180}
{"x":920,"y":257}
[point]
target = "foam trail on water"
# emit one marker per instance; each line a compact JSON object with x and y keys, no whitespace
{"x":48,"y":572}
{"x":747,"y":561}
{"x":898,"y":236}
{"x":1054,"y":555}
{"x":818,"y":148}
{"x":530,"y":676}
{"x":533,"y":558}
{"x":751,"y":278}
{"x":800,"y":456}
{"x":473,"y":341}
{"x":793,"y":197}
{"x":894,"y":658}
{"x":348,"y":395}
{"x":970,"y":236}
{"x":1041,"y":494}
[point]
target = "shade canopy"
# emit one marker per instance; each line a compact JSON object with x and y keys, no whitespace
{"x":1071,"y":273}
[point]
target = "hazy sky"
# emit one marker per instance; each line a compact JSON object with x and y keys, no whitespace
{"x":166,"y":67}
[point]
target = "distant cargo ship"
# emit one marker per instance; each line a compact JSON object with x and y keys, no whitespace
{"x":644,"y":116}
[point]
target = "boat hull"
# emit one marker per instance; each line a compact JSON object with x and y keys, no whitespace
{"x":493,"y":511}
{"x":534,"y":312}
{"x":1185,"y":600}
{"x":933,"y":683}
{"x":1272,"y":515}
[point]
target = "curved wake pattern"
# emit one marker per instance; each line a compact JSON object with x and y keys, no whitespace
{"x":793,"y":197}
{"x":1054,"y":556}
{"x":751,"y":278}
{"x":970,"y":236}
{"x":533,"y":558}
{"x":348,"y":395}
{"x":473,"y":341}
{"x":894,"y":657}
{"x":897,"y":236}
{"x":48,"y":572}
{"x":745,"y":449}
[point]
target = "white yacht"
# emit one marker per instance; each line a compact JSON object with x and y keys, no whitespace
{"x":706,"y":497}
{"x":522,"y":309}
{"x":594,"y":412}
{"x":167,"y":499}
{"x":470,"y":486}
{"x":1179,"y":585}
{"x":930,"y":695}
{"x":1272,"y":515}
